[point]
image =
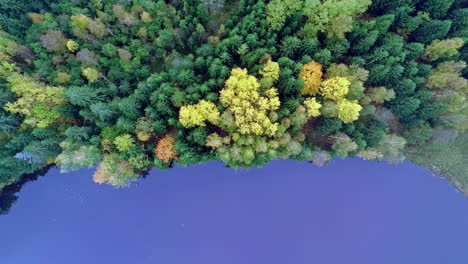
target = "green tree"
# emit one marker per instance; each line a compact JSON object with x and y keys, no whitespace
{"x":442,"y":48}
{"x":435,"y":29}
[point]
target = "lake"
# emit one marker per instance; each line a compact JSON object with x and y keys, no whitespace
{"x":350,"y":211}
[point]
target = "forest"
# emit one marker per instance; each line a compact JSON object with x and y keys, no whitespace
{"x":129,"y":85}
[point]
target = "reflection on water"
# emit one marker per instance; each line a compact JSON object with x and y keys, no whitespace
{"x":350,"y":211}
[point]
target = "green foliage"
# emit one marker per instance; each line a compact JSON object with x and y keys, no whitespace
{"x":343,"y":144}
{"x":321,"y":14}
{"x":443,"y":48}
{"x":82,"y":95}
{"x":124,"y":142}
{"x":435,"y":29}
{"x":278,"y":10}
{"x":437,"y":8}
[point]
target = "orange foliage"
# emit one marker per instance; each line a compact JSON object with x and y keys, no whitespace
{"x":311,"y":73}
{"x":165,"y":149}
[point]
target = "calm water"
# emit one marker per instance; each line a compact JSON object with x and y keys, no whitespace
{"x":350,"y":211}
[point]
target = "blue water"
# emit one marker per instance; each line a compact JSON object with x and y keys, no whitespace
{"x":350,"y":211}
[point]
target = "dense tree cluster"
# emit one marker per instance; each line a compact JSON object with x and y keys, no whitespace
{"x":135,"y":84}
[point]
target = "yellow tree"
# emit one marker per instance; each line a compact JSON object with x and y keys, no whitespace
{"x":250,"y":105}
{"x":311,"y":74}
{"x":348,"y":111}
{"x":91,"y":74}
{"x":72,"y":45}
{"x":313,"y":107}
{"x":37,"y":102}
{"x":335,"y":88}
{"x":198,"y":114}
{"x":271,"y":69}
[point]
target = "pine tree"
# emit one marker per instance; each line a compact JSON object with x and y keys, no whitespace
{"x":435,"y":29}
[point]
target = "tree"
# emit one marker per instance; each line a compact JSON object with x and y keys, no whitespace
{"x":313,"y":107}
{"x":54,"y":40}
{"x":198,"y":114}
{"x":335,"y":88}
{"x":437,"y":8}
{"x":124,"y":142}
{"x":322,"y":14}
{"x":249,"y":105}
{"x":348,"y":111}
{"x":418,"y":134}
{"x":278,"y":10}
{"x":33,"y":98}
{"x":83,"y":96}
{"x":63,"y":77}
{"x":124,"y":17}
{"x":91,"y":74}
{"x":380,"y":94}
{"x":270,"y":70}
{"x":449,"y":86}
{"x":214,"y":5}
{"x":435,"y":29}
{"x":442,"y":48}
{"x":343,"y":144}
{"x":72,"y":45}
{"x":311,"y":74}
{"x":165,"y":149}
{"x":8,"y":123}
{"x":87,"y":57}
{"x":339,"y":26}
{"x":459,"y":22}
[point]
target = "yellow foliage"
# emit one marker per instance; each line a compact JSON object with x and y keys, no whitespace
{"x":348,"y":111}
{"x":196,"y":115}
{"x":63,"y":77}
{"x":271,"y":69}
{"x":91,"y":74}
{"x":106,"y":145}
{"x":311,"y":73}
{"x":36,"y":18}
{"x":31,"y":94}
{"x":313,"y":107}
{"x":72,"y":45}
{"x":8,"y":48}
{"x":250,"y":106}
{"x":335,"y":88}
{"x":143,"y":136}
{"x":145,"y":17}
{"x":80,"y":21}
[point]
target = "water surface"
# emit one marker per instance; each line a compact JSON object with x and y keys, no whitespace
{"x":351,"y":211}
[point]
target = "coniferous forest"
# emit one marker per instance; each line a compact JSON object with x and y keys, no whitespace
{"x":129,"y":85}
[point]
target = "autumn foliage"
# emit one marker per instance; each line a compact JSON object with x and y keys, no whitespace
{"x":198,"y":114}
{"x":311,"y":73}
{"x":165,"y":149}
{"x":250,"y":106}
